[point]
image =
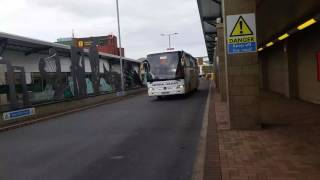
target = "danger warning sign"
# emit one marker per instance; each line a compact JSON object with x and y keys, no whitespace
{"x":241,"y":30}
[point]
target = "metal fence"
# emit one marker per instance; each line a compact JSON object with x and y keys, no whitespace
{"x":59,"y":77}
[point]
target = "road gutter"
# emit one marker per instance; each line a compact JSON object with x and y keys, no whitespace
{"x":199,"y":164}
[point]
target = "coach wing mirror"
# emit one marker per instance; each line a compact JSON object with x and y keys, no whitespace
{"x":183,"y":61}
{"x":146,"y":66}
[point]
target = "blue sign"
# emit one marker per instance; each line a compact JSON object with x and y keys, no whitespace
{"x":18,"y":114}
{"x":242,"y":48}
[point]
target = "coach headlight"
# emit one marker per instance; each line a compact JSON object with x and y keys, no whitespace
{"x":151,"y":89}
{"x":180,"y":86}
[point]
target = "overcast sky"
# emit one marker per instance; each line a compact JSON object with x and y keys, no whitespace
{"x":142,"y":22}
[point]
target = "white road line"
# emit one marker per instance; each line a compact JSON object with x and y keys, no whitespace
{"x":198,"y":168}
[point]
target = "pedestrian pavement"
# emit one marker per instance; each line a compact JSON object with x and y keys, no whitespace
{"x":286,"y":148}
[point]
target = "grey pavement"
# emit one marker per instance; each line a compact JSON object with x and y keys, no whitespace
{"x":140,"y":138}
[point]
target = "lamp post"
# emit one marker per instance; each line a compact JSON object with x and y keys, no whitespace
{"x":120,"y":47}
{"x":169,"y":37}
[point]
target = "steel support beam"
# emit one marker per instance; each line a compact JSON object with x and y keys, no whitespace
{"x":211,"y":42}
{"x":36,"y":50}
{"x":3,"y":45}
{"x":216,"y":1}
{"x":210,"y":20}
{"x":211,"y":34}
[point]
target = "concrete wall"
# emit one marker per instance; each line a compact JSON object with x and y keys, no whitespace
{"x":221,"y":62}
{"x":288,"y":68}
{"x":291,"y":66}
{"x":66,"y":106}
{"x":276,"y":70}
{"x":308,"y":45}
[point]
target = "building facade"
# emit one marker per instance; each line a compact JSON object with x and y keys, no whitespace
{"x":34,"y":72}
{"x":283,"y":58}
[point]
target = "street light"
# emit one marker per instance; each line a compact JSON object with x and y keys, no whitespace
{"x":120,"y":47}
{"x":169,"y":36}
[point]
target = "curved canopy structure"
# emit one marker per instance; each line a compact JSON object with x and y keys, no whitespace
{"x":30,"y":46}
{"x":209,"y":10}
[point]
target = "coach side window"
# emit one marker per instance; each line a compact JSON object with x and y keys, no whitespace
{"x":191,"y":62}
{"x":187,"y":60}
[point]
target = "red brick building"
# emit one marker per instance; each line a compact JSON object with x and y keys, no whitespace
{"x":106,"y":44}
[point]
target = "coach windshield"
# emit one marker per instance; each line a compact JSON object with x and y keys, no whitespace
{"x":165,"y":66}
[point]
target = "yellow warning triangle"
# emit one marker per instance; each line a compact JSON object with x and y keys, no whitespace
{"x":241,"y":28}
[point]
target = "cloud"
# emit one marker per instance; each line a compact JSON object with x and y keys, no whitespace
{"x":142,"y":22}
{"x":83,"y":8}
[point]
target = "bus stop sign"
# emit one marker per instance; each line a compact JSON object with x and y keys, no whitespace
{"x":241,"y":33}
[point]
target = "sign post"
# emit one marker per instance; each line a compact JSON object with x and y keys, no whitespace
{"x":241,"y":33}
{"x":318,"y":66}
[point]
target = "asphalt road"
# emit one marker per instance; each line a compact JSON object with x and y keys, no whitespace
{"x":139,"y":138}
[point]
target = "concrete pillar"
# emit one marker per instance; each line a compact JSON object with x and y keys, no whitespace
{"x":221,"y":58}
{"x":263,"y":62}
{"x":287,"y":90}
{"x":243,"y":76}
{"x":292,"y":66}
{"x":286,"y":57}
{"x":3,"y":97}
{"x":217,"y":73}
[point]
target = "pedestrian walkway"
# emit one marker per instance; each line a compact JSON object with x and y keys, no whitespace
{"x":286,"y":148}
